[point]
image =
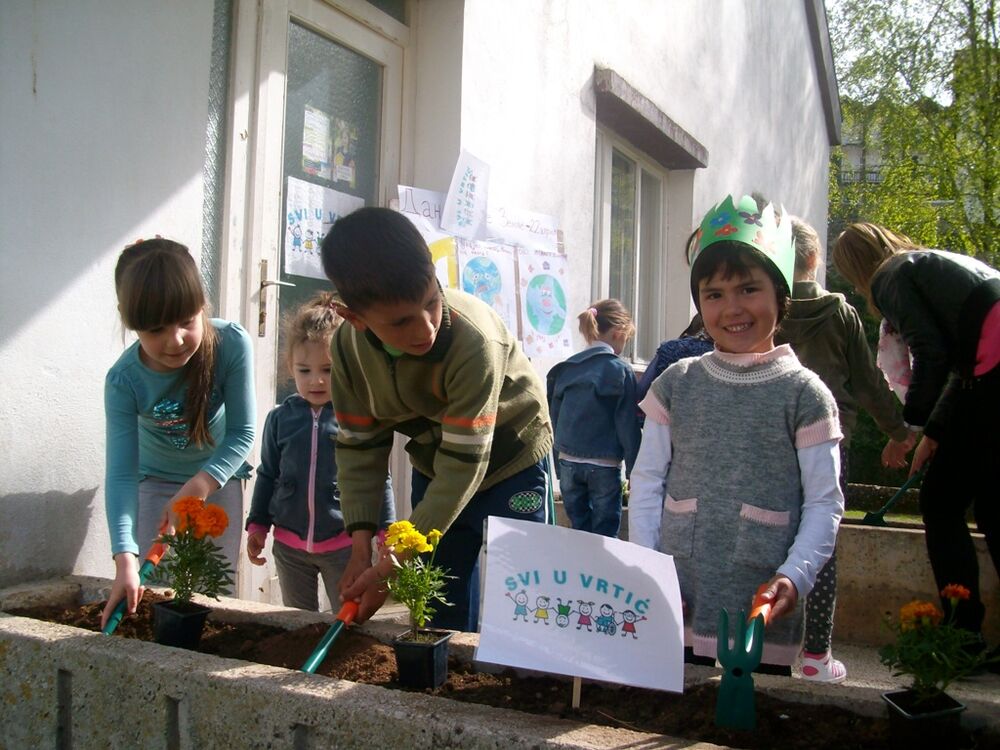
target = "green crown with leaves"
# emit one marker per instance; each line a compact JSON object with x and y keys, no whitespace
{"x":743,"y":222}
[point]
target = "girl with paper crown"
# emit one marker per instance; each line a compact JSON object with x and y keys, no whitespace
{"x":736,"y":476}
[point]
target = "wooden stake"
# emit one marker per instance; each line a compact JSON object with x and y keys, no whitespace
{"x":577,"y":682}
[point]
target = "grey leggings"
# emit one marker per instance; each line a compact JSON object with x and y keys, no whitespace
{"x":154,"y":494}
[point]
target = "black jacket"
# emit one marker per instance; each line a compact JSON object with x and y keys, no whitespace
{"x":937,"y":301}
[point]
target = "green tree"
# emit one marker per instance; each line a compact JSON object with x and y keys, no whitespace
{"x":920,"y":81}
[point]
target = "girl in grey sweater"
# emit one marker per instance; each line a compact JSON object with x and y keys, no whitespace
{"x":737,"y":474}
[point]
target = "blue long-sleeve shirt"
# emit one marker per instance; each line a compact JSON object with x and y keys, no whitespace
{"x":147,"y":436}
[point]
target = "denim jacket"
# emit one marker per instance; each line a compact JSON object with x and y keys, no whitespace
{"x":297,"y":445}
{"x":592,"y":404}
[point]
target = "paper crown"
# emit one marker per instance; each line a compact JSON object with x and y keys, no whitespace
{"x":743,"y":222}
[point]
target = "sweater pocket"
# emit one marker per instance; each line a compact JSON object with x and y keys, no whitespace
{"x":677,"y":526}
{"x":763,"y":538}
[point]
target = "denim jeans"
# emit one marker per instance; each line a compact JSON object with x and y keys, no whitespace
{"x":592,"y":496}
{"x":522,"y":496}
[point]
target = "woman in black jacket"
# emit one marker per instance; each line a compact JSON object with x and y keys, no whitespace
{"x":947,"y":308}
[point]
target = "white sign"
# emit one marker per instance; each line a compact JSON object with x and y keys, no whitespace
{"x":311,"y":211}
{"x":426,"y":203}
{"x":464,"y":212}
{"x":569,"y":602}
{"x":515,"y":226}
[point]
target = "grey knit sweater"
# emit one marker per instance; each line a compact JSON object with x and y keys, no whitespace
{"x":734,"y":494}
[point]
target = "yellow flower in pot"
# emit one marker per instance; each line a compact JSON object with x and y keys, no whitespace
{"x":934,"y":652}
{"x":194,"y":564}
{"x":418,"y":584}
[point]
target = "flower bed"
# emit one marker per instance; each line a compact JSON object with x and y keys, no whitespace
{"x":63,"y":681}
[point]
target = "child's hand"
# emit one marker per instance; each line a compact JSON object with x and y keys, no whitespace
{"x":255,"y":545}
{"x":894,"y":453}
{"x":126,"y":585}
{"x":782,"y":595}
{"x":368,"y":588}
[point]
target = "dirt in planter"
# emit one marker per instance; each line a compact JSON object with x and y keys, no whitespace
{"x":360,"y":658}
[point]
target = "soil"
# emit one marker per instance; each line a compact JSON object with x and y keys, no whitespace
{"x":360,"y":658}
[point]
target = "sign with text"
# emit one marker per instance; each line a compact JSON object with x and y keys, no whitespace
{"x":310,"y":212}
{"x":514,"y":226}
{"x":464,"y":213}
{"x":569,"y":602}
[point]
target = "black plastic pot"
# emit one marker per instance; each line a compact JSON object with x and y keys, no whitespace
{"x":178,"y":624}
{"x":422,"y":663}
{"x":931,"y":723}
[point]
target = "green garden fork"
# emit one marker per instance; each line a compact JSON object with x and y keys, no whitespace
{"x":735,"y":707}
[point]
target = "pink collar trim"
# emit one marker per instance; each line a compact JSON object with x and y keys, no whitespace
{"x":752,"y":358}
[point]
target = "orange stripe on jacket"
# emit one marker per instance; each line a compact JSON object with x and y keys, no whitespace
{"x":473,"y":422}
{"x":358,"y":420}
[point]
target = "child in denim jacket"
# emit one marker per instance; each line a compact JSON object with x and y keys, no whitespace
{"x":592,"y":403}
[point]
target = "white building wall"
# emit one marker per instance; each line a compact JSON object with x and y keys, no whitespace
{"x":103,"y":115}
{"x":738,"y":77}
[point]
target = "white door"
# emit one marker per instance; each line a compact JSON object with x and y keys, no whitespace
{"x":327,"y":118}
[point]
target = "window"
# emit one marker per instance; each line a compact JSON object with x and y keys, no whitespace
{"x":629,"y":244}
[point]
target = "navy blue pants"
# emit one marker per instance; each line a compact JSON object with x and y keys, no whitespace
{"x":523,"y":496}
{"x":592,"y":496}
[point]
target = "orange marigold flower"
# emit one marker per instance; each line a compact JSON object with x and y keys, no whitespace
{"x":955,"y":591}
{"x":918,"y":614}
{"x":187,"y":510}
{"x":212,"y":521}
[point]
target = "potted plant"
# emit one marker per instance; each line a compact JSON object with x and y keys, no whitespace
{"x":934,"y":652}
{"x":193,"y":564}
{"x":418,"y":584}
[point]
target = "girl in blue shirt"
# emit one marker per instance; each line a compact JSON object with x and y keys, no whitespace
{"x":179,"y":405}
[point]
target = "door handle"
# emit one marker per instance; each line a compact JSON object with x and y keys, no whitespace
{"x":262,"y":298}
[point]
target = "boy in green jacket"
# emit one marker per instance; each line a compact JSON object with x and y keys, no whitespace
{"x":438,"y":366}
{"x":826,"y":335}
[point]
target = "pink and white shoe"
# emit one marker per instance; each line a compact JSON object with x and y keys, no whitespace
{"x":822,"y":668}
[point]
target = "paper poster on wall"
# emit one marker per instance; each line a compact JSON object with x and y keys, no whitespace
{"x":542,"y":278}
{"x":310,"y":212}
{"x":489,"y":271}
{"x":445,"y":257}
{"x":426,"y":203}
{"x":345,"y":152}
{"x":316,"y":143}
{"x":515,"y":226}
{"x":464,"y":212}
{"x":573,"y":603}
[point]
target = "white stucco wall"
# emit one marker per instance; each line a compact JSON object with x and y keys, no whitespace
{"x":738,"y":77}
{"x":103,"y":115}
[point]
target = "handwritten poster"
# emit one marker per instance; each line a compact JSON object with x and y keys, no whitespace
{"x":310,"y":212}
{"x":464,"y":212}
{"x":542,"y":278}
{"x":528,"y":229}
{"x":569,"y":602}
{"x":489,"y":271}
{"x":426,"y":203}
{"x":316,"y":143}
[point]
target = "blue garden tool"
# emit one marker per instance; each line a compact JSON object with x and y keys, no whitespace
{"x":145,"y":571}
{"x":345,"y":616}
{"x":735,"y":707}
{"x":877,"y":518}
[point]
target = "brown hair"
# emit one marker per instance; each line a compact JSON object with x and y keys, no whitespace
{"x":157,"y":283}
{"x":861,"y":249}
{"x":730,"y":259}
{"x":316,"y":321}
{"x":602,"y":316}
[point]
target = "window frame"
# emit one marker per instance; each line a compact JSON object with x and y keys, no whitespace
{"x":649,"y":298}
